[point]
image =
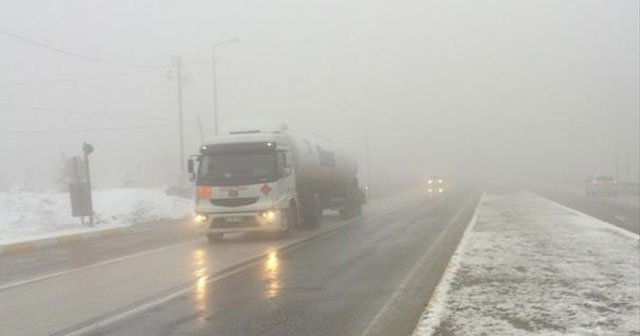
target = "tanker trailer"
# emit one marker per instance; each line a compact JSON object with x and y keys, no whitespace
{"x":259,"y":176}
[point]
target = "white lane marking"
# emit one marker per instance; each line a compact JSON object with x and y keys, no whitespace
{"x":621,"y":218}
{"x":144,"y":253}
{"x":430,"y":318}
{"x":412,"y":273}
{"x":257,"y":259}
{"x":99,"y":264}
{"x":610,"y":226}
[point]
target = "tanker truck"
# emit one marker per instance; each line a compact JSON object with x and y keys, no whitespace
{"x":259,"y":176}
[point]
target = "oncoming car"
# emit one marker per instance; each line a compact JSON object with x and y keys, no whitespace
{"x":601,"y":185}
{"x":435,"y":185}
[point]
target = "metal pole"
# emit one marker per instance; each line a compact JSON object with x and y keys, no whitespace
{"x":617,"y":150}
{"x":215,"y":82}
{"x":200,"y":129}
{"x":215,"y":90}
{"x":367,"y":148}
{"x":180,"y":116}
{"x":86,"y":167}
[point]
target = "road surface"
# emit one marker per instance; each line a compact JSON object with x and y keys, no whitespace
{"x":367,"y":276}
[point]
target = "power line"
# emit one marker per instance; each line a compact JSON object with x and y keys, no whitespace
{"x":73,"y":54}
{"x":36,"y":108}
{"x":103,"y":129}
{"x":92,"y":78}
{"x":79,"y":79}
{"x":81,"y":113}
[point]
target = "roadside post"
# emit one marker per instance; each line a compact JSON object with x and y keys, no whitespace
{"x":79,"y":180}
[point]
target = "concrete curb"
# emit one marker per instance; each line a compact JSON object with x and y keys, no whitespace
{"x":432,"y":314}
{"x":148,"y":303}
{"x":26,"y":246}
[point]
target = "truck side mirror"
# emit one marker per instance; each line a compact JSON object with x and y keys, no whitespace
{"x":283,"y":165}
{"x":191,"y":170}
{"x":190,"y":166}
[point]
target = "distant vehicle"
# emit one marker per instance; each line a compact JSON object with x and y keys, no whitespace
{"x":258,"y":176}
{"x":364,"y":194}
{"x":601,"y":185}
{"x":435,"y":185}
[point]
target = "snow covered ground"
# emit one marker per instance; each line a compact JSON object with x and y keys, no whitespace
{"x":33,"y":215}
{"x":528,"y":266}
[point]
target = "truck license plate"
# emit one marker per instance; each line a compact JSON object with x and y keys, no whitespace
{"x":234,"y":219}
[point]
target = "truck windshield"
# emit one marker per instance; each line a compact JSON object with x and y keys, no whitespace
{"x":237,"y":168}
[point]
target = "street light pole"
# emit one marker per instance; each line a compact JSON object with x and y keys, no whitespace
{"x":367,"y":148}
{"x":215,"y":81}
{"x":180,"y":116}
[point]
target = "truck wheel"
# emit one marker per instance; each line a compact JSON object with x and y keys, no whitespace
{"x":215,"y":237}
{"x":292,"y":221}
{"x":312,"y":211}
{"x":359,"y":208}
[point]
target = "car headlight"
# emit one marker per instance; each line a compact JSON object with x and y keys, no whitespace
{"x":268,"y":215}
{"x":201,"y":218}
{"x":430,"y":181}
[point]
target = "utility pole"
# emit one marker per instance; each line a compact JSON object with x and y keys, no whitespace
{"x":180,"y":116}
{"x":215,"y":91}
{"x":215,"y":82}
{"x":367,"y":148}
{"x":617,"y":149}
{"x":200,"y":130}
{"x":86,"y":150}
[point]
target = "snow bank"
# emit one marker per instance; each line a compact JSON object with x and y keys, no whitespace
{"x":25,"y":215}
{"x":532,"y":267}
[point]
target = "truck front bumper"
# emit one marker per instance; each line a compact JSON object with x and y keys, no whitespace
{"x":267,"y":220}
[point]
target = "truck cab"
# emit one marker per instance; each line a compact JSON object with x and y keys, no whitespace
{"x":245,"y":182}
{"x":261,"y":177}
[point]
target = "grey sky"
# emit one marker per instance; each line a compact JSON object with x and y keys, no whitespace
{"x":544,"y":88}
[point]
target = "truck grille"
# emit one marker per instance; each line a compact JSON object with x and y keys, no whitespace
{"x":234,"y":222}
{"x":234,"y":202}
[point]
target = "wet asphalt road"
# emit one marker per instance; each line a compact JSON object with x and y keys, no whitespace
{"x":622,"y":211}
{"x":370,"y":276}
{"x":335,"y":286}
{"x":138,"y":239}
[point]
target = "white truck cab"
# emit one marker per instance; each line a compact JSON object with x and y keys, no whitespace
{"x":263,"y":178}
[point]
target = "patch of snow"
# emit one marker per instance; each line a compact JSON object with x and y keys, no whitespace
{"x":532,"y":267}
{"x":433,"y":313}
{"x":32,"y":215}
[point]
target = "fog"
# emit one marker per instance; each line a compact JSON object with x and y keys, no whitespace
{"x":485,"y":89}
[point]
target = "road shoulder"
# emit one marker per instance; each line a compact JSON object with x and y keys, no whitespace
{"x":60,"y":238}
{"x":530,"y":266}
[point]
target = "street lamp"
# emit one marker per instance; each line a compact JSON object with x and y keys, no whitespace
{"x":215,"y":80}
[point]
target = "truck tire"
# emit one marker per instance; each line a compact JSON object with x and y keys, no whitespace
{"x":345,"y":213}
{"x":293,"y":219}
{"x":215,"y":237}
{"x":311,"y":211}
{"x":358,"y":208}
{"x":353,"y":206}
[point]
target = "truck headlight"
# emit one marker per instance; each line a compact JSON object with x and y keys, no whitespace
{"x":268,"y":215}
{"x":201,"y":218}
